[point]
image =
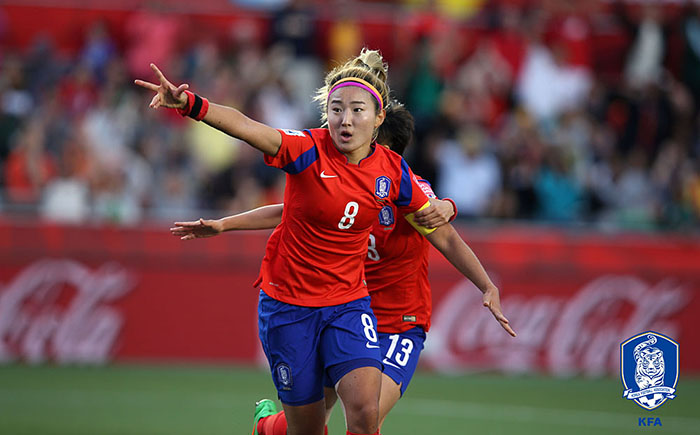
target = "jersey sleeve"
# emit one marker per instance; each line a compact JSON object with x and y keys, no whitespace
{"x":411,"y":196}
{"x":297,"y":151}
{"x":425,"y":187}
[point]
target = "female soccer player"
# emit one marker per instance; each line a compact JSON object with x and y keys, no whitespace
{"x":396,"y":269}
{"x":312,"y":282}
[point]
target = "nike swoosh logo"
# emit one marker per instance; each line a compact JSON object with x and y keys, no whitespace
{"x":323,"y":175}
{"x":389,"y":363}
{"x":371,"y":346}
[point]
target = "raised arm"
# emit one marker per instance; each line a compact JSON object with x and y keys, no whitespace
{"x":261,"y":218}
{"x":226,"y":119}
{"x":456,"y":251}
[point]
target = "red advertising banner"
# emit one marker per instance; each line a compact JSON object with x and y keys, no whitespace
{"x":572,"y":299}
{"x":92,"y":295}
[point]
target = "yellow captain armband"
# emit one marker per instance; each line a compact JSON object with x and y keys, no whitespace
{"x":421,"y":229}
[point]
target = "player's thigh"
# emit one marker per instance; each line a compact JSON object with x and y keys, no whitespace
{"x":359,"y":392}
{"x":390,"y":394}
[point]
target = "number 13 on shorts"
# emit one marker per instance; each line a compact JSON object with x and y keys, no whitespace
{"x":402,"y":353}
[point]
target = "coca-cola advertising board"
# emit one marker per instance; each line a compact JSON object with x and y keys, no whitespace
{"x":94,"y":295}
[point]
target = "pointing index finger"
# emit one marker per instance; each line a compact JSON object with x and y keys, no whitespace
{"x":147,"y":85}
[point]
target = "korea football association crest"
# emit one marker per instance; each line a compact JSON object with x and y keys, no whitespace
{"x":386,"y":216}
{"x":649,"y":369}
{"x":382,"y":185}
{"x":284,"y":376}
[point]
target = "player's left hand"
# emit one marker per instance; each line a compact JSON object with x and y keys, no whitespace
{"x":492,"y":301}
{"x":197,"y":229}
{"x":438,"y":214}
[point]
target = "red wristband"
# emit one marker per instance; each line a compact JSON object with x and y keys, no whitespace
{"x":196,"y":108}
{"x":454,"y":206}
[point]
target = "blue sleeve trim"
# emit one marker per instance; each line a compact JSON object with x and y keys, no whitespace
{"x":406,"y":187}
{"x":303,"y":161}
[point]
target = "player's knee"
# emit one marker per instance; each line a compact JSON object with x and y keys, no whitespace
{"x":363,"y":416}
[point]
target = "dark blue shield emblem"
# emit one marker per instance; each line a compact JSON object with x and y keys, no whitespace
{"x":284,"y":376}
{"x":382,"y":185}
{"x":649,"y":369}
{"x":386,"y":216}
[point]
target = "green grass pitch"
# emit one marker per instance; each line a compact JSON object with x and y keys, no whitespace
{"x":211,"y":400}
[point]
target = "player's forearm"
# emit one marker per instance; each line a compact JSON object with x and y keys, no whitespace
{"x":236,"y":124}
{"x":456,"y":251}
{"x":261,"y":218}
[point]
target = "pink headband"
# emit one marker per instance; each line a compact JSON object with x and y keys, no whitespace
{"x":352,"y":81}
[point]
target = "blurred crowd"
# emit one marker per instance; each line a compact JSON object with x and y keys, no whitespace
{"x":518,"y":114}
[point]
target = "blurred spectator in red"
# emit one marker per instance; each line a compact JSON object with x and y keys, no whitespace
{"x":153,"y":36}
{"x":78,"y":91}
{"x":481,"y":90}
{"x":570,"y":28}
{"x":29,"y":166}
{"x":509,"y":36}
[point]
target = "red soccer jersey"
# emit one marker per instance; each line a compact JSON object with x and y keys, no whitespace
{"x":315,"y":257}
{"x":397,"y":272}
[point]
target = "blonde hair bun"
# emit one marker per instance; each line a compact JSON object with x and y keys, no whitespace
{"x":374,"y":60}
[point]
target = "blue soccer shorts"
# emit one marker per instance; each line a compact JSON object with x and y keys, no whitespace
{"x":307,"y":345}
{"x":400,"y":353}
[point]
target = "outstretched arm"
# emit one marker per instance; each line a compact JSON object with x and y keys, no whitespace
{"x":225,"y":119}
{"x":450,"y":244}
{"x":260,"y":218}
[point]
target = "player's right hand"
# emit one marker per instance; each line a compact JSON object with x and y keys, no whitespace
{"x":197,"y":229}
{"x":492,"y":301}
{"x":167,"y":94}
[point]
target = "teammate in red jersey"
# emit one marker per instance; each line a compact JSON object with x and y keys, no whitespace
{"x":396,"y":268}
{"x":312,"y":281}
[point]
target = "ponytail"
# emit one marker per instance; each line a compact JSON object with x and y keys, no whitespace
{"x":396,"y":131}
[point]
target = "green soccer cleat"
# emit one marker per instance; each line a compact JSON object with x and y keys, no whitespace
{"x":263,"y":408}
